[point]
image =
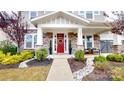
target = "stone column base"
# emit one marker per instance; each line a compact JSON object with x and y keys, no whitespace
{"x":80,"y":47}
{"x":117,"y":49}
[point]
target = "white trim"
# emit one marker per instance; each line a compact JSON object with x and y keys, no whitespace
{"x":53,"y":44}
{"x":67,"y":47}
{"x":85,"y":41}
{"x":71,"y":26}
{"x":60,"y":26}
{"x":67,"y":13}
{"x":92,"y":41}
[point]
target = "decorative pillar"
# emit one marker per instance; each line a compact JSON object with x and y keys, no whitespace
{"x":39,"y":43}
{"x":117,"y":44}
{"x":79,"y":39}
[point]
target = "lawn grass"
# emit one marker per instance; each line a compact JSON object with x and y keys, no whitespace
{"x":25,"y":74}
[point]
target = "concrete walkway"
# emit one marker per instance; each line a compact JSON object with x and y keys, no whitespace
{"x":60,"y":71}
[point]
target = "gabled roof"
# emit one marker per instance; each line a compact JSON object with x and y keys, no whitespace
{"x":70,"y":15}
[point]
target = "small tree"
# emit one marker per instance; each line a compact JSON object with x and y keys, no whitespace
{"x":14,"y":26}
{"x":118,"y":23}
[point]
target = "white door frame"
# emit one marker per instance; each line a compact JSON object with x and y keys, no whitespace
{"x":55,"y":41}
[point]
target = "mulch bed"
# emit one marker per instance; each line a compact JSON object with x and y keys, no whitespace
{"x":116,"y":64}
{"x":40,"y":63}
{"x":99,"y":75}
{"x":9,"y":66}
{"x":76,"y":65}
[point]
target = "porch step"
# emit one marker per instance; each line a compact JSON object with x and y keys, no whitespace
{"x":61,"y":56}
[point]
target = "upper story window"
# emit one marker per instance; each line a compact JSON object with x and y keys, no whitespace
{"x":81,"y":13}
{"x":33,"y":14}
{"x":96,"y":12}
{"x":89,"y":14}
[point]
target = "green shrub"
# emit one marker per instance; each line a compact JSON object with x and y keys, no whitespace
{"x":118,"y":58}
{"x":79,"y":55}
{"x":7,"y":46}
{"x":11,"y":60}
{"x":41,"y":54}
{"x":122,"y":56}
{"x":2,"y":56}
{"x":26,"y":54}
{"x":111,"y":57}
{"x":100,"y":59}
{"x":118,"y":74}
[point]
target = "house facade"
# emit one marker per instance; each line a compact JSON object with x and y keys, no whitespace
{"x":61,"y":30}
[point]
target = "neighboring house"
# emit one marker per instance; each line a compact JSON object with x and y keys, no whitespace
{"x":84,"y":29}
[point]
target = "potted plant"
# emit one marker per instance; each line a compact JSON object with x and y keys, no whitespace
{"x":70,"y":48}
{"x":50,"y":47}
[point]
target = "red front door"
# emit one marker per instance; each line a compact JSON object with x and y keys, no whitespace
{"x":60,"y":43}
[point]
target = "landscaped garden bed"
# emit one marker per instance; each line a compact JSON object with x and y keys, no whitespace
{"x":35,"y":62}
{"x":12,"y":64}
{"x":76,"y":65}
{"x":107,"y":69}
{"x":78,"y":62}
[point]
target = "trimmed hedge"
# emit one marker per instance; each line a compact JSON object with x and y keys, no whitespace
{"x":79,"y":55}
{"x":13,"y":59}
{"x":115,"y":57}
{"x":41,"y":54}
{"x":100,"y":59}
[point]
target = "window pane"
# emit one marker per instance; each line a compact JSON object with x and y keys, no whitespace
{"x":33,"y":14}
{"x":89,"y":41}
{"x":96,"y":12}
{"x":89,"y":15}
{"x":28,"y":41}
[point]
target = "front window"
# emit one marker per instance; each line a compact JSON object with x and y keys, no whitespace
{"x":33,"y":14}
{"x":89,"y":15}
{"x":89,"y":41}
{"x":28,"y":41}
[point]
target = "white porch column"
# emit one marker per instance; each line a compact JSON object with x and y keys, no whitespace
{"x":39,"y":37}
{"x":117,"y":43}
{"x":79,"y":39}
